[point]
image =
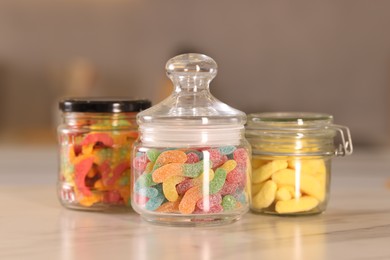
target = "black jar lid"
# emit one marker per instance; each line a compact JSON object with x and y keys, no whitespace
{"x":103,"y":105}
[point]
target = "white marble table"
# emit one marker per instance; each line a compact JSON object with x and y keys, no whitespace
{"x":33,"y":225}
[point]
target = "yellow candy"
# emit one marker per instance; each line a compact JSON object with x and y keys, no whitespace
{"x":266,"y":195}
{"x":307,"y":183}
{"x":169,"y":187}
{"x":302,"y":204}
{"x":256,"y":163}
{"x":265,"y":172}
{"x":229,"y":165}
{"x":87,"y":149}
{"x":293,"y":192}
{"x":283,"y":193}
{"x":315,"y":167}
{"x":256,"y":188}
{"x":90,"y":200}
{"x":199,"y":180}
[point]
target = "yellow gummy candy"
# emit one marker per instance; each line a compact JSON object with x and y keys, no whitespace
{"x":169,"y":187}
{"x":302,"y":204}
{"x":90,"y":200}
{"x":229,"y":165}
{"x":202,"y":178}
{"x":266,"y":195}
{"x":265,"y":172}
{"x":283,"y":193}
{"x":306,"y":183}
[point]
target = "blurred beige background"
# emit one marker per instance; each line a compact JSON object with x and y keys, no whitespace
{"x":320,"y":56}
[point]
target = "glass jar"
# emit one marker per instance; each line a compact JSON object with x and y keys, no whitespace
{"x":191,"y":162}
{"x":291,"y":161}
{"x":95,"y":142}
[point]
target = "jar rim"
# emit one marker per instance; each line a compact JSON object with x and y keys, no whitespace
{"x":299,"y":118}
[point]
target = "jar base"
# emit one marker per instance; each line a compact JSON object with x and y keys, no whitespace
{"x":97,"y":207}
{"x":295,"y":214}
{"x":191,"y":221}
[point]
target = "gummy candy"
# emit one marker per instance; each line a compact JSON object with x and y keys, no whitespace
{"x":195,"y":184}
{"x":169,"y":187}
{"x":288,"y":185}
{"x":95,"y":166}
{"x":229,"y":202}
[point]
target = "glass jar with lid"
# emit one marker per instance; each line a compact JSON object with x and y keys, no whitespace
{"x":191,"y":162}
{"x":291,"y":161}
{"x":95,"y":144}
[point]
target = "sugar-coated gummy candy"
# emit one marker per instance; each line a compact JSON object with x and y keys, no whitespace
{"x":266,"y":195}
{"x":169,"y":207}
{"x":229,"y":202}
{"x":212,"y":210}
{"x":240,"y":155}
{"x":229,"y":165}
{"x":189,"y":170}
{"x":154,"y":203}
{"x":169,"y":187}
{"x":145,"y":180}
{"x":188,"y":202}
{"x":152,"y":154}
{"x":304,"y":203}
{"x":192,"y":157}
{"x":140,"y":162}
{"x":227,"y":149}
{"x":191,"y":185}
{"x":193,"y":170}
{"x":209,"y":201}
{"x":217,"y":183}
{"x":170,"y":156}
{"x":148,"y":192}
{"x":184,"y":186}
{"x":216,"y":157}
{"x":228,"y":188}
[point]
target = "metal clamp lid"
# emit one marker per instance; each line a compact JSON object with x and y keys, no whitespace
{"x":345,"y":147}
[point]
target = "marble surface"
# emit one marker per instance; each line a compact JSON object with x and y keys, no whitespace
{"x":33,"y":225}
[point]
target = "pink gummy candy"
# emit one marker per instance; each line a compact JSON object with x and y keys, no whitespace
{"x":228,"y":188}
{"x":213,"y":200}
{"x":140,"y":163}
{"x":81,"y":170}
{"x":113,"y":197}
{"x":192,"y":157}
{"x":217,"y":158}
{"x":214,"y":209}
{"x":240,"y":155}
{"x":184,"y":186}
{"x":102,"y":138}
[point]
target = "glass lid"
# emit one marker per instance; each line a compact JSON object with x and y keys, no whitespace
{"x":191,"y":103}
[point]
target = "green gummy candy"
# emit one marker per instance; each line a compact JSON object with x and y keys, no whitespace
{"x":145,"y":180}
{"x":152,"y":154}
{"x":193,"y":170}
{"x":219,"y":180}
{"x":229,"y":202}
